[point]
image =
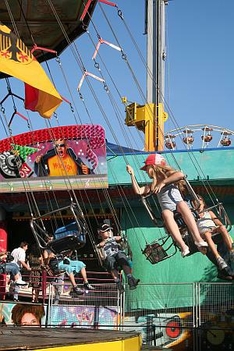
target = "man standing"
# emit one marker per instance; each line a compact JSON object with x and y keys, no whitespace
{"x":19,"y":255}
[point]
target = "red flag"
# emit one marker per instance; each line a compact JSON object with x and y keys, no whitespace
{"x":40,"y":101}
{"x":17,"y":61}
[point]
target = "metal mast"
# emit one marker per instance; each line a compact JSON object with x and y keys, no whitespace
{"x":156,"y":52}
{"x":156,"y":55}
{"x":150,"y":117}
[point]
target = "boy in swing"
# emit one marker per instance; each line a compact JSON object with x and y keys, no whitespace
{"x":114,"y":258}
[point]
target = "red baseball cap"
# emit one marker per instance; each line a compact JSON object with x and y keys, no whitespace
{"x":154,"y":159}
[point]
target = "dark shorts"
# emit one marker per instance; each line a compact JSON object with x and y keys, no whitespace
{"x":116,"y":261}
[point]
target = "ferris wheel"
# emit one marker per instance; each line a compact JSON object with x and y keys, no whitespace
{"x":198,"y":136}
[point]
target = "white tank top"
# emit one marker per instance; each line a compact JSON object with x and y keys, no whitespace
{"x":205,"y":221}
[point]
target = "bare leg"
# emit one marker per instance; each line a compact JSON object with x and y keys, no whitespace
{"x":84,"y":274}
{"x":36,"y":295}
{"x":211,"y":244}
{"x":115,"y":275}
{"x":187,"y":215}
{"x":72,"y":279}
{"x":173,"y":229}
{"x":226,"y":237}
{"x":76,"y":290}
{"x":221,"y":262}
{"x":33,"y":295}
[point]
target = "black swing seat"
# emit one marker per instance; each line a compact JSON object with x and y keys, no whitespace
{"x":65,"y":244}
{"x":157,"y":251}
{"x":154,"y":252}
{"x":67,"y":238}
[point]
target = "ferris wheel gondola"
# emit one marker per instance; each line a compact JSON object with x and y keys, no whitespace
{"x":198,"y":136}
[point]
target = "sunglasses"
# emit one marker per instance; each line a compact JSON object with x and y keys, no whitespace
{"x":59,"y":145}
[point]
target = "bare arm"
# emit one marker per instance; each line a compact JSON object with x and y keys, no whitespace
{"x":144,"y":190}
{"x":101,"y":244}
{"x":171,"y":177}
{"x":118,"y":238}
{"x":46,"y":257}
{"x":216,"y":221}
{"x":24,"y":264}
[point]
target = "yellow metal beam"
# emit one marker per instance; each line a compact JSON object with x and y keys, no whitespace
{"x":150,"y":120}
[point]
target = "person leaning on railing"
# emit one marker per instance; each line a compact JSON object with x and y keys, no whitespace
{"x":8,"y":267}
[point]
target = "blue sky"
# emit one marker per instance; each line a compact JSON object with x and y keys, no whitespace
{"x":199,"y":70}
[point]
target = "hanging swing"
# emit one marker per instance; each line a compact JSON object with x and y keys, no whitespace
{"x":69,"y":237}
{"x":158,"y":250}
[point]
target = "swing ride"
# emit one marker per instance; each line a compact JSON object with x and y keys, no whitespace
{"x":68,"y":199}
{"x":19,"y":151}
{"x":39,"y":23}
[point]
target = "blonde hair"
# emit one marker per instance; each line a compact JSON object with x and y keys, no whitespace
{"x":162,"y":171}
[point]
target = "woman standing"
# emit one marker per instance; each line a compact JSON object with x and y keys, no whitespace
{"x":35,"y":262}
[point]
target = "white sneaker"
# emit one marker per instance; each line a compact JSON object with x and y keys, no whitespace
{"x":20,"y":282}
{"x":186,"y":252}
{"x":201,"y":244}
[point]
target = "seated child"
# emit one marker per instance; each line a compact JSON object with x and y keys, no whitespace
{"x":208,"y":225}
{"x":70,"y":267}
{"x":114,"y":257}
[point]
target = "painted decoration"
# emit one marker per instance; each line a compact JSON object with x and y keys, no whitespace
{"x":73,"y":152}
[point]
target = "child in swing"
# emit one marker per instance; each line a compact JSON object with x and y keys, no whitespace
{"x":114,"y":257}
{"x":208,"y":225}
{"x":167,"y":185}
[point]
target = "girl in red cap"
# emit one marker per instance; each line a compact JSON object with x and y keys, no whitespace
{"x":167,"y":184}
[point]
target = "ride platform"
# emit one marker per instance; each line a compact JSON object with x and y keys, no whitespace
{"x":56,"y":339}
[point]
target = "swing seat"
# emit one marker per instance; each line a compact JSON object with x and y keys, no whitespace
{"x":70,"y":229}
{"x":67,"y":238}
{"x":69,"y":242}
{"x":155,"y":252}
